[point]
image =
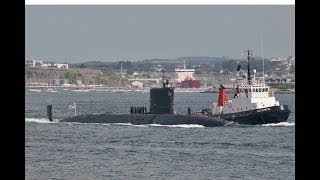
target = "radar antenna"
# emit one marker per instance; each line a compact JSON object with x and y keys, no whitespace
{"x":262,"y":58}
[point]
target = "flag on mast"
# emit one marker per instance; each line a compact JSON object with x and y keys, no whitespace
{"x":72,"y":106}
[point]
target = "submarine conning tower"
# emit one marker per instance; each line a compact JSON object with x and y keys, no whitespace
{"x":162,"y":99}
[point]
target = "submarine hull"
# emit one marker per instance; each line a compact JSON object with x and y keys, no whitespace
{"x":275,"y":114}
{"x":138,"y":119}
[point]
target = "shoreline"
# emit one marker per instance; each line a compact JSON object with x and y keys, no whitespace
{"x":77,"y":88}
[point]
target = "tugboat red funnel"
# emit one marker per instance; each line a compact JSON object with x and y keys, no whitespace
{"x":222,"y":96}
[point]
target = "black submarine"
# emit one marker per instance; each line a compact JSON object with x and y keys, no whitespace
{"x":161,"y":112}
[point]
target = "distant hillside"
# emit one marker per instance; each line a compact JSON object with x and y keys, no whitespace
{"x":203,"y":59}
{"x":189,"y":60}
{"x":92,"y":64}
{"x":203,"y":65}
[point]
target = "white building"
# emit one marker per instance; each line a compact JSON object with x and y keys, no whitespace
{"x":137,"y":84}
{"x":135,"y":74}
{"x":34,"y":63}
{"x":66,"y":66}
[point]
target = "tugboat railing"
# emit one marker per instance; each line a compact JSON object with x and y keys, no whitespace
{"x":251,"y":82}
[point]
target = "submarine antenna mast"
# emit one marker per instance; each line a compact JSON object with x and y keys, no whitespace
{"x":163,"y":83}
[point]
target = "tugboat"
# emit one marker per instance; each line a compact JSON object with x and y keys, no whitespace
{"x":161,"y":112}
{"x":253,"y":102}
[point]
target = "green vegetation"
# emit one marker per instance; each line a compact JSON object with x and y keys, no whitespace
{"x":86,"y":75}
{"x":230,"y":65}
{"x":109,"y":78}
{"x":72,"y":77}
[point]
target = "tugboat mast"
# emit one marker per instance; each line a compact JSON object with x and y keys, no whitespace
{"x":249,"y":57}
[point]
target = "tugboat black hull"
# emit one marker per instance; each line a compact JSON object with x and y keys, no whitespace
{"x":275,"y":114}
{"x":138,"y":119}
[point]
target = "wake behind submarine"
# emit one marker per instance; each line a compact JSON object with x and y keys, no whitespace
{"x":161,"y":112}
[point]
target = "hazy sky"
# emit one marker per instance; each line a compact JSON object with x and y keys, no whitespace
{"x":63,"y":33}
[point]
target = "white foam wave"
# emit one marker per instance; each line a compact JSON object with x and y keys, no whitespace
{"x":129,"y":124}
{"x":105,"y":124}
{"x":279,"y":124}
{"x":123,"y":124}
{"x":40,"y":120}
{"x":80,"y":123}
{"x":231,"y":123}
{"x":159,"y":125}
{"x":179,"y":125}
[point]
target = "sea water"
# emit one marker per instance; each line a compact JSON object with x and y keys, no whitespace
{"x":125,"y":151}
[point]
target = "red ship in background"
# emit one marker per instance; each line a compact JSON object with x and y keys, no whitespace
{"x":185,"y":78}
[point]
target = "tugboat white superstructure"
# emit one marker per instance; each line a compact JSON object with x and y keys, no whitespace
{"x":252,"y":103}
